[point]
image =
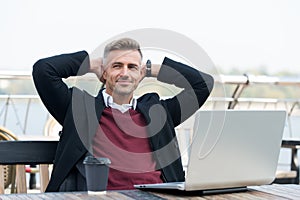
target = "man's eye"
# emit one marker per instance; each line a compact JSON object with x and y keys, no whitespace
{"x":116,"y":66}
{"x":134,"y":67}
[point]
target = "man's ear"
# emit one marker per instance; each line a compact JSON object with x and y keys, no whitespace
{"x":104,"y":77}
{"x":142,"y":73}
{"x":104,"y":74}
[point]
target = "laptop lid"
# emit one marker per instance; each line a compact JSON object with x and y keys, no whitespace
{"x":234,"y":148}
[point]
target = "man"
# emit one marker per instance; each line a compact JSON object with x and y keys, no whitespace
{"x":137,"y":135}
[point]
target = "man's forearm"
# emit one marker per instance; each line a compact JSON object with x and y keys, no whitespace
{"x":196,"y":86}
{"x":182,"y":75}
{"x":47,"y":75}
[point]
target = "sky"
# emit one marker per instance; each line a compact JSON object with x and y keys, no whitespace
{"x":242,"y":34}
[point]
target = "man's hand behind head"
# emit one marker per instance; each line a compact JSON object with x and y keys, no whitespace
{"x":96,"y":67}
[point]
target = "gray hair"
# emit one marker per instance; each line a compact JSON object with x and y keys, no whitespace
{"x":122,"y":44}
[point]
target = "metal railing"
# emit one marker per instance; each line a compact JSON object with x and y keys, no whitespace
{"x":230,"y":100}
{"x":24,"y":114}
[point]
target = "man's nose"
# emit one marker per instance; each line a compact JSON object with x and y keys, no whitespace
{"x":124,"y":71}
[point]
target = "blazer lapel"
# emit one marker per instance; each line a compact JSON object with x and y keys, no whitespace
{"x":151,"y":129}
{"x":94,"y":107}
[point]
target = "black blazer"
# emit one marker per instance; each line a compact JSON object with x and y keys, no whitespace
{"x":79,"y":112}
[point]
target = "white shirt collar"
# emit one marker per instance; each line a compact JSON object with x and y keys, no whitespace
{"x":109,"y":102}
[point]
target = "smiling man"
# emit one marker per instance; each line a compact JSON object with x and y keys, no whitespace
{"x":122,"y":74}
{"x":137,"y":135}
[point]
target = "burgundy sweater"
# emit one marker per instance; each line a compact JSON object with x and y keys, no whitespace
{"x":122,"y":138}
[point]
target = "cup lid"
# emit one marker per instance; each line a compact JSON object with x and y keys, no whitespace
{"x":94,"y":160}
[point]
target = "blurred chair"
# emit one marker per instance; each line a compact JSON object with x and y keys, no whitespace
{"x":52,"y":127}
{"x":8,"y":172}
{"x":21,"y":153}
{"x":291,"y":145}
{"x":290,"y":176}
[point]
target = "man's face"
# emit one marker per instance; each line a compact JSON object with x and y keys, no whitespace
{"x":122,"y":72}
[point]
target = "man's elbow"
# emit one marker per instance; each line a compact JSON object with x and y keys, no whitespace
{"x":37,"y":68}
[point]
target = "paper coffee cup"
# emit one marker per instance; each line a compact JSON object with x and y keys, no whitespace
{"x":96,"y":171}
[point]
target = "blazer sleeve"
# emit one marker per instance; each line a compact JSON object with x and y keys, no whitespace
{"x":196,"y":85}
{"x":48,"y":74}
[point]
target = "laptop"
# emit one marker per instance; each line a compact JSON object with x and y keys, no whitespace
{"x":231,"y":149}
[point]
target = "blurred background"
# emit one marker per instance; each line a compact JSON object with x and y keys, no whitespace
{"x":256,"y":35}
{"x":254,"y":45}
{"x":250,"y":37}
